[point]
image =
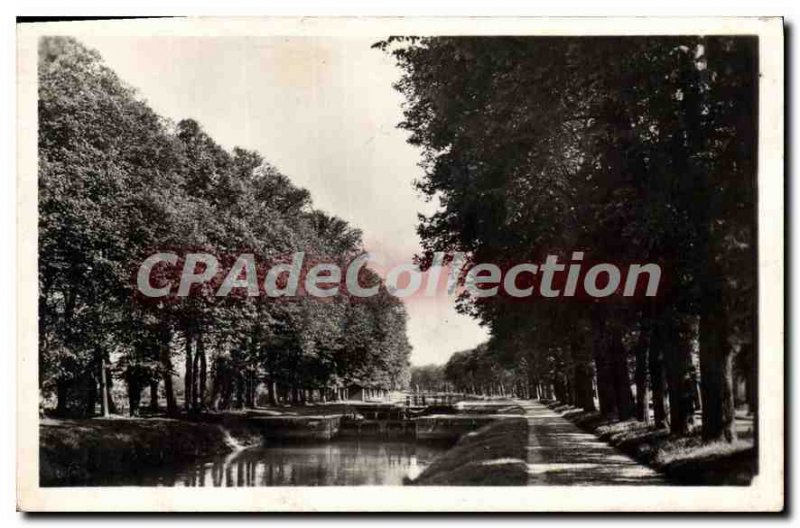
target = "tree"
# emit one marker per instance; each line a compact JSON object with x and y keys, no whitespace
{"x":624,"y":148}
{"x":118,"y":182}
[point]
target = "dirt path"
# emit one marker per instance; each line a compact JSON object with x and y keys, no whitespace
{"x":560,"y":453}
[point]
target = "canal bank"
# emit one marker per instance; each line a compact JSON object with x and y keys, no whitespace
{"x":100,"y":451}
{"x":493,"y":455}
{"x":164,"y":452}
{"x":470,"y":443}
{"x":686,"y":460}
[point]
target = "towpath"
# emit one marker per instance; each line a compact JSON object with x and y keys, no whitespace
{"x":560,"y":454}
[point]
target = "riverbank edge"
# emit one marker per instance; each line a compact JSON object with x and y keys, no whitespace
{"x":97,"y":450}
{"x":493,"y":455}
{"x":683,"y":461}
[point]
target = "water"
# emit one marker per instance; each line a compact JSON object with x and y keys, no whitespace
{"x":341,"y":462}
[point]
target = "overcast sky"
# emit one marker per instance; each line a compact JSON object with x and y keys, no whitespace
{"x":323,"y":111}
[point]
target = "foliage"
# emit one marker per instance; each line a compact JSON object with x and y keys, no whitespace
{"x":116,"y":182}
{"x":628,"y":149}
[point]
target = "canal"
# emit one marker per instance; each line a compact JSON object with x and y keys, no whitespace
{"x":339,"y":462}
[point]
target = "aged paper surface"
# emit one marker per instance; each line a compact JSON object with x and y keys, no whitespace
{"x":146,"y":384}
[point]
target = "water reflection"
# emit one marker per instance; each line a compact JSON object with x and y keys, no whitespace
{"x":338,"y":463}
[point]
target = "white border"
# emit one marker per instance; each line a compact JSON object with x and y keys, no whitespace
{"x":766,"y":493}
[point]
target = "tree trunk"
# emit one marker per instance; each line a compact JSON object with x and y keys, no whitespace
{"x":681,"y":388}
{"x":251,"y":389}
{"x":674,"y":335}
{"x":716,"y":370}
{"x":91,"y":397}
{"x":750,"y":376}
{"x":642,"y":388}
{"x":656,"y":368}
{"x":104,"y":398}
{"x":166,"y":372}
{"x":134,"y":396}
{"x":203,"y":378}
{"x":582,"y":374}
{"x":112,"y":406}
{"x":239,"y":390}
{"x":583,"y":387}
{"x":195,"y":377}
{"x":188,"y":380}
{"x":558,"y":387}
{"x":621,"y":377}
{"x":62,"y":395}
{"x":154,"y":396}
{"x":571,"y":388}
{"x":606,"y":394}
{"x":716,"y":355}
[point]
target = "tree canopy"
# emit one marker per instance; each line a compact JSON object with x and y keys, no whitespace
{"x":116,"y":182}
{"x":628,"y":149}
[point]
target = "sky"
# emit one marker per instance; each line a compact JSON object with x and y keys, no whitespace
{"x":321,"y":110}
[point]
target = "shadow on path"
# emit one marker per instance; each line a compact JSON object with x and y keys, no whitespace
{"x":561,"y":454}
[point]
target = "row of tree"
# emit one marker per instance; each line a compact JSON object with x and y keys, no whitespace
{"x":635,"y":149}
{"x":428,"y":378}
{"x":116,"y":183}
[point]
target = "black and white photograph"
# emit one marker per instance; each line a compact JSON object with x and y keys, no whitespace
{"x":401,"y":265}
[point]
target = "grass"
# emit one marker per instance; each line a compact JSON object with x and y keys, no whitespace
{"x":684,"y":460}
{"x":493,"y":455}
{"x":692,"y":448}
{"x":95,"y":451}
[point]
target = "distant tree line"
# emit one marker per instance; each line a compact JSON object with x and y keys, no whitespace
{"x":428,"y":378}
{"x":634,"y":149}
{"x":117,"y":182}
